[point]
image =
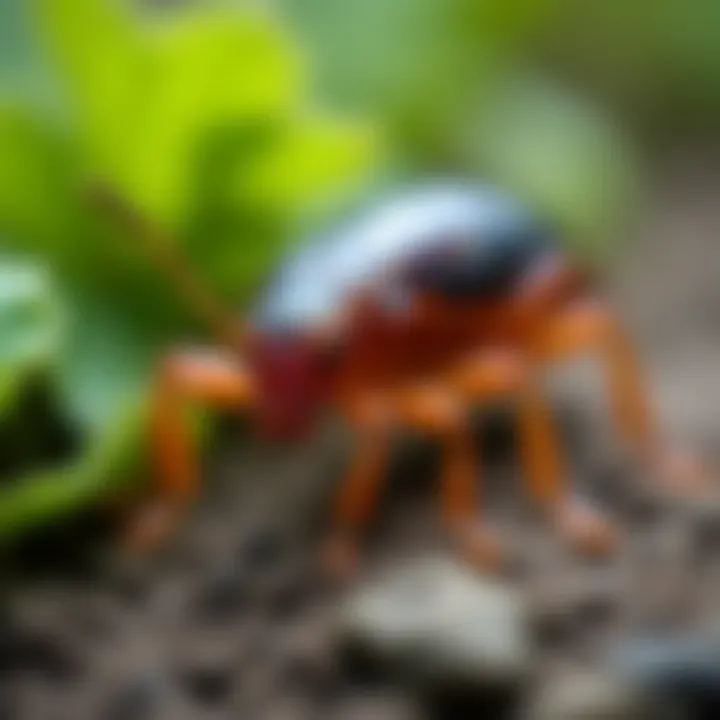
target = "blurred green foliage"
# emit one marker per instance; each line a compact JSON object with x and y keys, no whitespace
{"x":30,"y":326}
{"x":656,"y":61}
{"x":453,"y":84}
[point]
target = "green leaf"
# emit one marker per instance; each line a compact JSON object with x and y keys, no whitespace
{"x":31,"y":325}
{"x":147,"y":97}
{"x":212,"y":71}
{"x":38,"y":202}
{"x":102,"y":57}
{"x":105,"y":361}
{"x":316,"y":159}
{"x":22,"y":69}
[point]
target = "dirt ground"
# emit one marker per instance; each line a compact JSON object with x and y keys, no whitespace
{"x":232,"y":621}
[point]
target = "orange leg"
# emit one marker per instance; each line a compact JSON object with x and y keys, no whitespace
{"x":372,"y":419}
{"x":496,"y":373}
{"x":438,"y":409}
{"x":588,"y":326}
{"x":202,"y":376}
{"x":585,"y":528}
{"x":432,"y":409}
{"x":489,"y":375}
{"x":539,"y":447}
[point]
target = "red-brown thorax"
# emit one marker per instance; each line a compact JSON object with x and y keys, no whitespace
{"x":298,"y":373}
{"x":388,"y":349}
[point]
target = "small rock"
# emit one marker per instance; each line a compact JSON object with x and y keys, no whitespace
{"x":279,"y":577}
{"x":705,"y":528}
{"x":375,"y":706}
{"x":206,"y":665}
{"x":261,"y":549}
{"x":284,"y":708}
{"x":91,"y":618}
{"x":500,"y":703}
{"x":221,"y":597}
{"x":286,"y":591}
{"x":662,"y":579}
{"x":130,"y":582}
{"x":438,"y":622}
{"x":180,"y":708}
{"x":207,"y":684}
{"x":612,"y":473}
{"x":29,"y":650}
{"x":587,"y":695}
{"x":683,"y":671}
{"x":53,"y":658}
{"x":9,"y":705}
{"x":260,"y":686}
{"x":620,"y":482}
{"x":11,"y":656}
{"x":567,"y":606}
{"x":308,"y":665}
{"x":137,"y":699}
{"x":305,"y":676}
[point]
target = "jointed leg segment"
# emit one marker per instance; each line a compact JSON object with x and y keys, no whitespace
{"x":495,"y":374}
{"x":579,"y":523}
{"x":436,"y":408}
{"x":440,"y":411}
{"x":204,"y":377}
{"x":372,"y":420}
{"x":590,"y":326}
{"x":432,"y":409}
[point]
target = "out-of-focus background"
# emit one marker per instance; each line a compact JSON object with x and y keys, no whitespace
{"x":237,"y":127}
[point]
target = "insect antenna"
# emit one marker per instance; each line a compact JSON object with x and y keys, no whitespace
{"x":166,"y":255}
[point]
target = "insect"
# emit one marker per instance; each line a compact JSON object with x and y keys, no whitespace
{"x":431,"y":301}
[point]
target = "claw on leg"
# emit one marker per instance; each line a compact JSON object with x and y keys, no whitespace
{"x":481,"y":548}
{"x":339,"y":556}
{"x":589,"y":325}
{"x":356,"y":499}
{"x":539,"y":446}
{"x":681,"y":474}
{"x":586,"y":529}
{"x":460,"y":494}
{"x":204,"y":376}
{"x":490,"y":374}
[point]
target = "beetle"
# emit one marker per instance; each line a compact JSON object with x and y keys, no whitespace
{"x":434,"y":299}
